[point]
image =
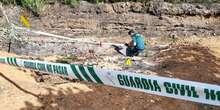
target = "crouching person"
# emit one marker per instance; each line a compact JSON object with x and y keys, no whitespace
{"x":136,"y":45}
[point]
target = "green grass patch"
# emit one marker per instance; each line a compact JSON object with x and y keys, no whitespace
{"x":9,"y":2}
{"x":35,"y":6}
{"x":71,"y":2}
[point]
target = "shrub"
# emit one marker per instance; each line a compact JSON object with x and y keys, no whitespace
{"x":8,"y":1}
{"x":71,"y":2}
{"x":36,"y":6}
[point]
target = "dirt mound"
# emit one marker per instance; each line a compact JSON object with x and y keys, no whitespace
{"x":193,"y":63}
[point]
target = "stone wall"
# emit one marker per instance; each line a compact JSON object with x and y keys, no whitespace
{"x":152,"y":19}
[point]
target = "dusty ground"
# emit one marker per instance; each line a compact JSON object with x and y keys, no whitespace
{"x":197,"y":61}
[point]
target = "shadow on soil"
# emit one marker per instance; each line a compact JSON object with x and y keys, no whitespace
{"x":104,"y":98}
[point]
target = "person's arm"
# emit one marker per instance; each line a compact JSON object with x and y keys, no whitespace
{"x":133,"y":42}
{"x":130,"y":44}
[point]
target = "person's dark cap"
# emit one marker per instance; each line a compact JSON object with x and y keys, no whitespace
{"x":131,"y":32}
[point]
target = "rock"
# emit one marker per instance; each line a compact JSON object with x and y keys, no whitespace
{"x":1,"y":14}
{"x":39,"y":79}
{"x":215,"y":9}
{"x":155,"y":8}
{"x":152,"y":101}
{"x":85,"y":7}
{"x":121,"y":7}
{"x":137,"y":7}
{"x":105,"y":8}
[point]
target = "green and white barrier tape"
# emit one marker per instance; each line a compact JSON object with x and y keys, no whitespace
{"x":170,"y":87}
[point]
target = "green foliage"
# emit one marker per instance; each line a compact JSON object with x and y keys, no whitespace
{"x":8,"y":1}
{"x":34,"y":5}
{"x":71,"y":2}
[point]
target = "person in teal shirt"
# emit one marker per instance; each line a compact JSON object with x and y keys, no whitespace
{"x":136,"y":45}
